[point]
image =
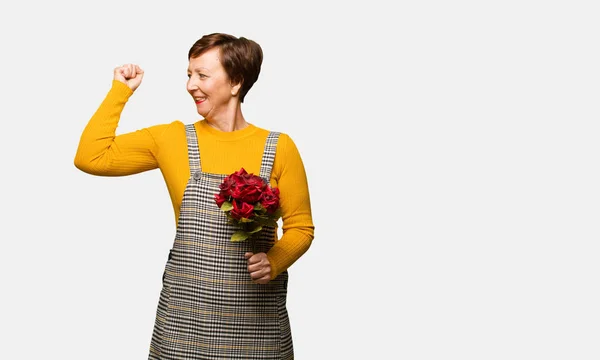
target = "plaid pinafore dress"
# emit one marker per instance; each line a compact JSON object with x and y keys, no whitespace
{"x":208,"y":306}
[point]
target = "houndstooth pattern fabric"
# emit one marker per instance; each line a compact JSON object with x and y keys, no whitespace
{"x":208,"y":306}
{"x":268,"y":158}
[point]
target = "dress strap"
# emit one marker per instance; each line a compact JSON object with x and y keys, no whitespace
{"x":268,"y":157}
{"x":193,"y":152}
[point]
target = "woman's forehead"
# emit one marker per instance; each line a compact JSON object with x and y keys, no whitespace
{"x":209,"y":60}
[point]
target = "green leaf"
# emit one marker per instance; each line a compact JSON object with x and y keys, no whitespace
{"x":245,"y":220}
{"x":257,"y":229}
{"x":258,"y":207}
{"x":226,"y":206}
{"x":239,"y":235}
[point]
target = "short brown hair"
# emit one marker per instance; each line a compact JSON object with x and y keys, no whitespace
{"x":241,"y":58}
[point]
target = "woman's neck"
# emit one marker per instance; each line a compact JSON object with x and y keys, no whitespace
{"x":228,"y":121}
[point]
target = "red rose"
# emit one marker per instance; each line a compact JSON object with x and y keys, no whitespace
{"x":255,"y":181}
{"x":249,"y":194}
{"x":242,"y":211}
{"x":227,"y":185}
{"x":270,"y":199}
{"x":240,"y":172}
{"x":239,"y":177}
{"x":237,"y":193}
{"x":220,"y":198}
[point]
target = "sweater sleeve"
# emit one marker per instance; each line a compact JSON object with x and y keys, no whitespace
{"x":102,"y":152}
{"x":298,"y":228}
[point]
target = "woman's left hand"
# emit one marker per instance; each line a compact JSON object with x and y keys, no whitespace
{"x":259,"y":267}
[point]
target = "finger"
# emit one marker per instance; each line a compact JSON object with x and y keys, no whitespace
{"x":263,"y":280}
{"x":248,"y":255}
{"x":259,"y":274}
{"x":256,"y":267}
{"x":118,"y":72}
{"x":258,"y":258}
{"x":254,"y":259}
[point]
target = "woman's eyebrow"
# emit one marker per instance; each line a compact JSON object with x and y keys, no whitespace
{"x":198,"y":69}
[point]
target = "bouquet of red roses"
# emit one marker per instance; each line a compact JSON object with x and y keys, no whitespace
{"x":249,"y":203}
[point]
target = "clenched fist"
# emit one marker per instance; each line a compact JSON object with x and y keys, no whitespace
{"x":130,"y":75}
{"x":259,"y":267}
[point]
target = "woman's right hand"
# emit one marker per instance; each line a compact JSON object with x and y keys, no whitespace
{"x":130,"y":75}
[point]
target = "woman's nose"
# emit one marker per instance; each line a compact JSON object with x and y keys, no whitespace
{"x":191,"y":85}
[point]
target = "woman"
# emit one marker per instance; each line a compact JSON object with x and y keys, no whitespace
{"x":220,"y":299}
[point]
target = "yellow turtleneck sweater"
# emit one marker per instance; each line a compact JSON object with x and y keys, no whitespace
{"x":102,"y":152}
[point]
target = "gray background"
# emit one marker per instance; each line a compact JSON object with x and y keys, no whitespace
{"x":451,"y":150}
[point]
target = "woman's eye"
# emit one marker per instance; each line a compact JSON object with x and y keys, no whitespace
{"x":188,"y":75}
{"x":202,"y":76}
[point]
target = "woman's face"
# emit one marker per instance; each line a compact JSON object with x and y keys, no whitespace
{"x":209,"y":84}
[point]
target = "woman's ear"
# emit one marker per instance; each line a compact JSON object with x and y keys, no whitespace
{"x":235,"y":89}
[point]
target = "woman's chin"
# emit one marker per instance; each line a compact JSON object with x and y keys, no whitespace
{"x":202,"y":111}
